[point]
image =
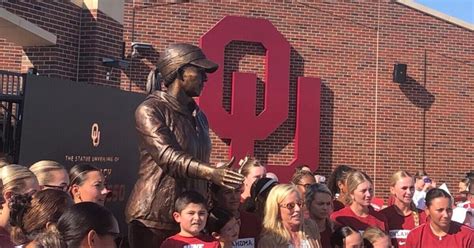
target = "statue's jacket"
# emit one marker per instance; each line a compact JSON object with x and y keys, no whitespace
{"x":173,"y":141}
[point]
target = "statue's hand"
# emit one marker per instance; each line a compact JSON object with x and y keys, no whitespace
{"x":224,"y":176}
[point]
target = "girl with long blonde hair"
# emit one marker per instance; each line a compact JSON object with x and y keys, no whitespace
{"x":403,"y":215}
{"x":359,"y":214}
{"x":17,"y":180}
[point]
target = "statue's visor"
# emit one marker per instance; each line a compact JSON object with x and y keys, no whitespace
{"x":208,"y":65}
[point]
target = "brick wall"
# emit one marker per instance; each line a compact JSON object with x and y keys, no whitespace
{"x":10,"y":56}
{"x":93,"y":33}
{"x":427,"y":123}
{"x":61,"y":19}
{"x":101,"y":37}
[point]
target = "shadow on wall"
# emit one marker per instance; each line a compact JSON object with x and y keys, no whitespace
{"x":417,"y":93}
{"x":326,"y":129}
{"x":421,"y":98}
{"x":233,"y":56}
{"x":280,"y":138}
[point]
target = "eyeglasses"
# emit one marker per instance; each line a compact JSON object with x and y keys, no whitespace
{"x":306,"y":185}
{"x":292,"y":205}
{"x":60,"y":187}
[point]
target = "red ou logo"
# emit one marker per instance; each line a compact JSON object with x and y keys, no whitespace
{"x":242,"y":125}
{"x":95,"y":135}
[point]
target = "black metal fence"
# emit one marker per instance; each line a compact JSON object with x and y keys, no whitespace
{"x":11,"y":110}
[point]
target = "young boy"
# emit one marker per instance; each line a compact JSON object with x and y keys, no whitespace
{"x":191,"y":214}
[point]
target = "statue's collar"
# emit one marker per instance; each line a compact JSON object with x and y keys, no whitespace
{"x":191,"y":109}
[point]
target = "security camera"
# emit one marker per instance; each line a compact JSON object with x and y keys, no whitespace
{"x":139,"y":46}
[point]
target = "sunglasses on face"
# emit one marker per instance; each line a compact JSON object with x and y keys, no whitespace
{"x":306,"y":185}
{"x":292,"y":205}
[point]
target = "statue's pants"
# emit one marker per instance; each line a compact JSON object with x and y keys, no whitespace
{"x":140,"y":236}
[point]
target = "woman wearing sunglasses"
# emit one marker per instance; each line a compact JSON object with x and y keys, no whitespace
{"x":303,"y":179}
{"x":359,"y":214}
{"x":288,"y":229}
{"x":51,"y":175}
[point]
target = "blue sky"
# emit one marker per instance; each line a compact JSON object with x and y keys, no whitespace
{"x":461,"y":9}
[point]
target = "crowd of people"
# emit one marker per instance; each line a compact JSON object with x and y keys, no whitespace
{"x":47,"y":206}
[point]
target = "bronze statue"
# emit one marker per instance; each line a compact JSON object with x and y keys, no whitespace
{"x":174,"y":147}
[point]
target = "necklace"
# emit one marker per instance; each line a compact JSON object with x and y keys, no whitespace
{"x":439,"y":236}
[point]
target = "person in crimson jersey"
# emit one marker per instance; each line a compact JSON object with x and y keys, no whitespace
{"x":191,"y":214}
{"x":403,"y":215}
{"x":440,"y":231}
{"x":359,"y":214}
{"x":337,"y":185}
{"x":318,"y":201}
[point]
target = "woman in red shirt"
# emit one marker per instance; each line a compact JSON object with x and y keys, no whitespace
{"x":359,"y":214}
{"x":440,"y":231}
{"x":337,"y":185}
{"x":402,"y":216}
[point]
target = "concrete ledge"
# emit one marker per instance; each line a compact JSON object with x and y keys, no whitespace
{"x":112,"y":8}
{"x":435,"y":13}
{"x":22,"y":32}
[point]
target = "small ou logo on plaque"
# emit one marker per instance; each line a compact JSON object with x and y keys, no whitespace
{"x":95,"y":135}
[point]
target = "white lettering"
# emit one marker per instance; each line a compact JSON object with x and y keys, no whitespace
{"x":194,"y":246}
{"x":399,"y":234}
{"x":244,"y":243}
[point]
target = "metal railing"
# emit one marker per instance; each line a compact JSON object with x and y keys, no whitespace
{"x":11,"y":110}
